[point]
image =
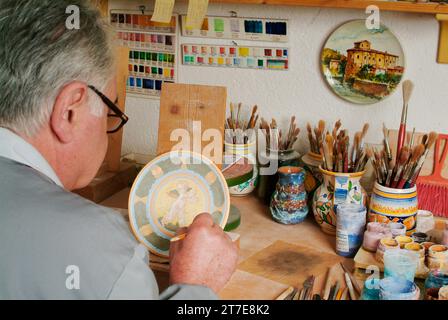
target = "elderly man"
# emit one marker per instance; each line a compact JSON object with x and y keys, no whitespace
{"x":56,"y":91}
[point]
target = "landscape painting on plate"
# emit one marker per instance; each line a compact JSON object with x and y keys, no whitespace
{"x":362,"y":65}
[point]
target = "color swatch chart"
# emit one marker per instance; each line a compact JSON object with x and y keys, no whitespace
{"x":240,"y":29}
{"x":266,"y":58}
{"x":153,"y":50}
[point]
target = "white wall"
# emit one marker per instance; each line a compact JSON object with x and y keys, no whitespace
{"x":302,"y":91}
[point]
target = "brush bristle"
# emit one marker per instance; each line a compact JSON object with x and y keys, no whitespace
{"x":408,"y":87}
{"x":431,"y":139}
{"x":404,"y":155}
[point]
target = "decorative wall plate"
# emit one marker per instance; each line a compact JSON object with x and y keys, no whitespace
{"x":170,"y":192}
{"x":362,"y":65}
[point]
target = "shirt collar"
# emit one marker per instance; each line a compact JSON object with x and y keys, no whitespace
{"x":17,"y":149}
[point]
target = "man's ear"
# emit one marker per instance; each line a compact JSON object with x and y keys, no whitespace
{"x":68,"y":110}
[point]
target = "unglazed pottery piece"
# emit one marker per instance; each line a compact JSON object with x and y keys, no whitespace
{"x":337,"y":188}
{"x":394,"y":205}
{"x":289,"y":201}
{"x":362,"y":65}
{"x":375,"y":232}
{"x":385,"y":245}
{"x":170,"y":192}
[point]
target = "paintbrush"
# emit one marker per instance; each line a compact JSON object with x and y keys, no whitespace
{"x":354,"y":282}
{"x":344,"y":294}
{"x":336,"y":290}
{"x":417,"y":152}
{"x":408,"y":87}
{"x":285,"y":293}
{"x":313,"y":144}
{"x":351,"y":290}
{"x":329,"y":156}
{"x":402,"y":160}
{"x":429,"y":143}
{"x":327,"y":287}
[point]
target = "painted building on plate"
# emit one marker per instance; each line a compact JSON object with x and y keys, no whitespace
{"x":362,"y":55}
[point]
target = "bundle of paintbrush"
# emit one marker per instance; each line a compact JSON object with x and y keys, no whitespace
{"x":336,"y":152}
{"x":276,"y":139}
{"x":404,"y":172}
{"x":240,"y":130}
{"x":316,"y":136}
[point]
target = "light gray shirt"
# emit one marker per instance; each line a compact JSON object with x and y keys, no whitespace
{"x":57,"y":245}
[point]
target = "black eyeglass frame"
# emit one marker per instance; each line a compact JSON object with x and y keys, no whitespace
{"x":112,"y":106}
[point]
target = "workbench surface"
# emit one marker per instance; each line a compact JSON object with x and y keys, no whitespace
{"x":257,"y":232}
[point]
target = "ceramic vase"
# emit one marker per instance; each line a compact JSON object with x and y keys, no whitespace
{"x":336,"y":188}
{"x":248,"y":151}
{"x":311,"y":163}
{"x":289,"y":201}
{"x":394,"y":205}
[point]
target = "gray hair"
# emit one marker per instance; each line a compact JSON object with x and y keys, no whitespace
{"x":39,"y":56}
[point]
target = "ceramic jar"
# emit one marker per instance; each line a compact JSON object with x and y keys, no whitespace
{"x":385,"y":245}
{"x":445,"y":236}
{"x":248,"y":151}
{"x":270,"y":161}
{"x":289,"y":201}
{"x":375,"y":232}
{"x":420,"y":250}
{"x":420,"y":237}
{"x":311,"y":163}
{"x":425,"y":221}
{"x":337,"y":188}
{"x":403,"y":240}
{"x":438,"y":257}
{"x":435,"y":280}
{"x":394,"y":205}
{"x":398,"y":289}
{"x":397,"y":229}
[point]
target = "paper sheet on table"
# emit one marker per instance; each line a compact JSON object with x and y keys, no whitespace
{"x":163,"y":11}
{"x":197,"y":9}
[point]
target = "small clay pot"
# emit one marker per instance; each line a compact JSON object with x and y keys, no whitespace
{"x":427,"y":245}
{"x":375,"y":232}
{"x":397,"y":229}
{"x":384,"y":245}
{"x":445,"y":236}
{"x":420,"y":237}
{"x":403,"y":240}
{"x":438,"y":257}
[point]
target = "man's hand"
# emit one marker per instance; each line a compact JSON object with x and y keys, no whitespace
{"x":205,"y":257}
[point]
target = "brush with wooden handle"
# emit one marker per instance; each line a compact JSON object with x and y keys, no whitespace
{"x":408,"y":86}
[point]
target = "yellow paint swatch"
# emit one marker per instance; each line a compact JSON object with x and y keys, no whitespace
{"x":163,"y":11}
{"x":220,"y":60}
{"x":197,"y":9}
{"x":244,"y":52}
{"x":166,"y":73}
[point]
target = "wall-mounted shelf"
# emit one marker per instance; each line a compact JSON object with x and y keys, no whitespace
{"x":402,"y":6}
{"x":438,"y":9}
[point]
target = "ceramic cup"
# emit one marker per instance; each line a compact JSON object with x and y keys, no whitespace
{"x":398,"y":289}
{"x":401,"y":264}
{"x":425,"y":221}
{"x":420,"y":237}
{"x":438,"y":257}
{"x":375,"y":232}
{"x":427,"y":245}
{"x":386,"y":244}
{"x":397,"y":229}
{"x":445,"y":236}
{"x":403,"y":240}
{"x":420,"y":250}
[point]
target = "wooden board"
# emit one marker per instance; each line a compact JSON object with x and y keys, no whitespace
{"x":429,"y":163}
{"x":244,"y":286}
{"x":113,"y":155}
{"x":181,"y":105}
{"x":288,"y":263}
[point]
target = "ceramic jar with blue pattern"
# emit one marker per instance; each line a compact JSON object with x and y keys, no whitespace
{"x":289,"y":201}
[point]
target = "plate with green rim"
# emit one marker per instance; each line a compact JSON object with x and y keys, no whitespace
{"x":170,"y":192}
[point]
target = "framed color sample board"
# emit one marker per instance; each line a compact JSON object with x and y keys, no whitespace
{"x":267,"y":58}
{"x":194,"y":108}
{"x":274,"y":30}
{"x":153,"y":51}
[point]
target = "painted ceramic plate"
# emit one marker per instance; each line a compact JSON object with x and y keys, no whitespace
{"x":170,"y":192}
{"x":362,"y":65}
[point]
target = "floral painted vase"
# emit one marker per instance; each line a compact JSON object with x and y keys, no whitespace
{"x":289,"y":201}
{"x":394,"y":205}
{"x":337,"y":188}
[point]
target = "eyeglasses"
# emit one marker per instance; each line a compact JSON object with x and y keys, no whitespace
{"x":115,"y":120}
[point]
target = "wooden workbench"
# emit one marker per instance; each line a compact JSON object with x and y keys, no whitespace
{"x":257,"y":232}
